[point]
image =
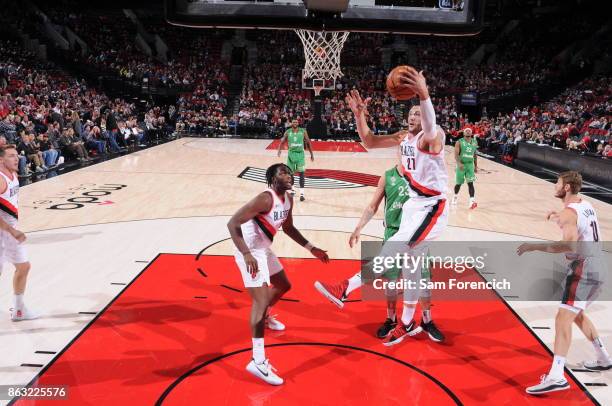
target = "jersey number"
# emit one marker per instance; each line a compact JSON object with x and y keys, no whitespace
{"x":594,"y":227}
{"x":403,"y":191}
{"x":410,"y":164}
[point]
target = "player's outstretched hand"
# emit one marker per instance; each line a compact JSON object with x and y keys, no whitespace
{"x":319,"y":253}
{"x":354,"y":239}
{"x":357,"y":105}
{"x":415,"y":81}
{"x":523,"y":248}
{"x":251,"y":264}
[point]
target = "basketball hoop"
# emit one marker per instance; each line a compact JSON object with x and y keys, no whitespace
{"x":322,"y":53}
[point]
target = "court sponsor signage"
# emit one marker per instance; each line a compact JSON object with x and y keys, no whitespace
{"x":77,"y":197}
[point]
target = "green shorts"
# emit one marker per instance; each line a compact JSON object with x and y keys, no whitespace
{"x":465,"y":175}
{"x":296,"y":161}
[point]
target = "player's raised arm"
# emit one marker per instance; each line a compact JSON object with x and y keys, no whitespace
{"x":369,"y":211}
{"x":308,"y":145}
{"x":359,"y":107}
{"x":282,"y":141}
{"x":296,"y":236}
{"x":416,"y":81}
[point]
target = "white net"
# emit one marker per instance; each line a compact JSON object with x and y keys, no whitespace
{"x":322,"y":52}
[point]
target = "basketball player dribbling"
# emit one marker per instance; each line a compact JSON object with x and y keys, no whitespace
{"x":11,"y":239}
{"x":297,"y":138}
{"x":585,"y":274}
{"x":252,"y":229}
{"x":394,"y":191}
{"x":424,"y":215}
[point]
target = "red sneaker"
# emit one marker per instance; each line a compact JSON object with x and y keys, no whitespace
{"x":400,"y":332}
{"x":334,"y":293}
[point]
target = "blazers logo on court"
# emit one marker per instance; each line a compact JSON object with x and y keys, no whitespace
{"x":319,"y":178}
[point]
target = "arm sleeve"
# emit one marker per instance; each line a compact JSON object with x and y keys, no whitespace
{"x":428,"y":118}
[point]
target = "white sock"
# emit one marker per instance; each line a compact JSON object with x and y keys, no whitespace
{"x":556,"y":369}
{"x":408,"y":313}
{"x":427,"y":316}
{"x":354,"y":283}
{"x":18,"y":301}
{"x":600,"y":350}
{"x":259,"y":352}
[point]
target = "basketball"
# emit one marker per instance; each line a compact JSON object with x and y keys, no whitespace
{"x":396,"y":89}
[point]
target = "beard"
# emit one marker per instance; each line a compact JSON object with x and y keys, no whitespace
{"x":560,"y":194}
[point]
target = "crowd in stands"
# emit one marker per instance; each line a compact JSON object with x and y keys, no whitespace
{"x":578,"y":119}
{"x":53,"y":118}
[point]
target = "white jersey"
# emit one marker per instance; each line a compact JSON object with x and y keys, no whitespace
{"x":588,"y":226}
{"x":259,"y":231}
{"x":9,"y":200}
{"x":424,"y":171}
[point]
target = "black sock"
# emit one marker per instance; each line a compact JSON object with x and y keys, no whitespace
{"x":302,"y":180}
{"x":471,"y":189}
{"x":457,"y":187}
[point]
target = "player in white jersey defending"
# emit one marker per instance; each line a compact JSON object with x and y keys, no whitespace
{"x":424,"y":215}
{"x":11,"y":239}
{"x":252,"y":229}
{"x":578,"y":222}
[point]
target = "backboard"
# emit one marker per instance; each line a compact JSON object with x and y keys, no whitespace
{"x":437,"y":17}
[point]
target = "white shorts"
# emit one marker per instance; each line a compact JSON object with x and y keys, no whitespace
{"x":422,"y":221}
{"x":10,"y":250}
{"x":267,"y":263}
{"x":583,"y":283}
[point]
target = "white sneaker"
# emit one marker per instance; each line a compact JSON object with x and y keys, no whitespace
{"x":455,"y":198}
{"x":598,"y":365}
{"x":23,"y":314}
{"x":473,"y":204}
{"x":265,"y":372}
{"x":548,"y":384}
{"x":274,"y":324}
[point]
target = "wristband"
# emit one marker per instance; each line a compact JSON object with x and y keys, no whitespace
{"x":309,"y":246}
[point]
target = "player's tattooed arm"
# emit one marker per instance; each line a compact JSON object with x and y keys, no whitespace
{"x":458,"y":155}
{"x":308,"y":144}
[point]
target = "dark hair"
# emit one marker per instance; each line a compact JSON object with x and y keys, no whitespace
{"x":272,"y":170}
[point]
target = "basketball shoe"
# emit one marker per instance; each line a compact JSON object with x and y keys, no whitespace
{"x":274,"y":324}
{"x":598,"y":365}
{"x":334,"y":293}
{"x":386,"y":328}
{"x":432,"y":331}
{"x":400,"y":332}
{"x":265,"y":372}
{"x":548,"y":384}
{"x":473,"y":203}
{"x":23,"y":314}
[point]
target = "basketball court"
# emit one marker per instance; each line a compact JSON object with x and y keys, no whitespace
{"x":142,"y":303}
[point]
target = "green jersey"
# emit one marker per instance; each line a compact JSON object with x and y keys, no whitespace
{"x":295,"y":139}
{"x":467,"y":150}
{"x":396,"y":194}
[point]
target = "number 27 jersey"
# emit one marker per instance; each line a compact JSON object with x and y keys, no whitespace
{"x":424,"y":171}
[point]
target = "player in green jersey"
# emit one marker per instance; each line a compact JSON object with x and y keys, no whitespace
{"x":393,"y":188}
{"x":467,"y":165}
{"x":297,"y":138}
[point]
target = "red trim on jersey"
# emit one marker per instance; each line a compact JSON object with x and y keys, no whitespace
{"x":425,"y":191}
{"x":7,"y":207}
{"x":434,"y":219}
{"x":571,"y":298}
{"x":267,"y":227}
